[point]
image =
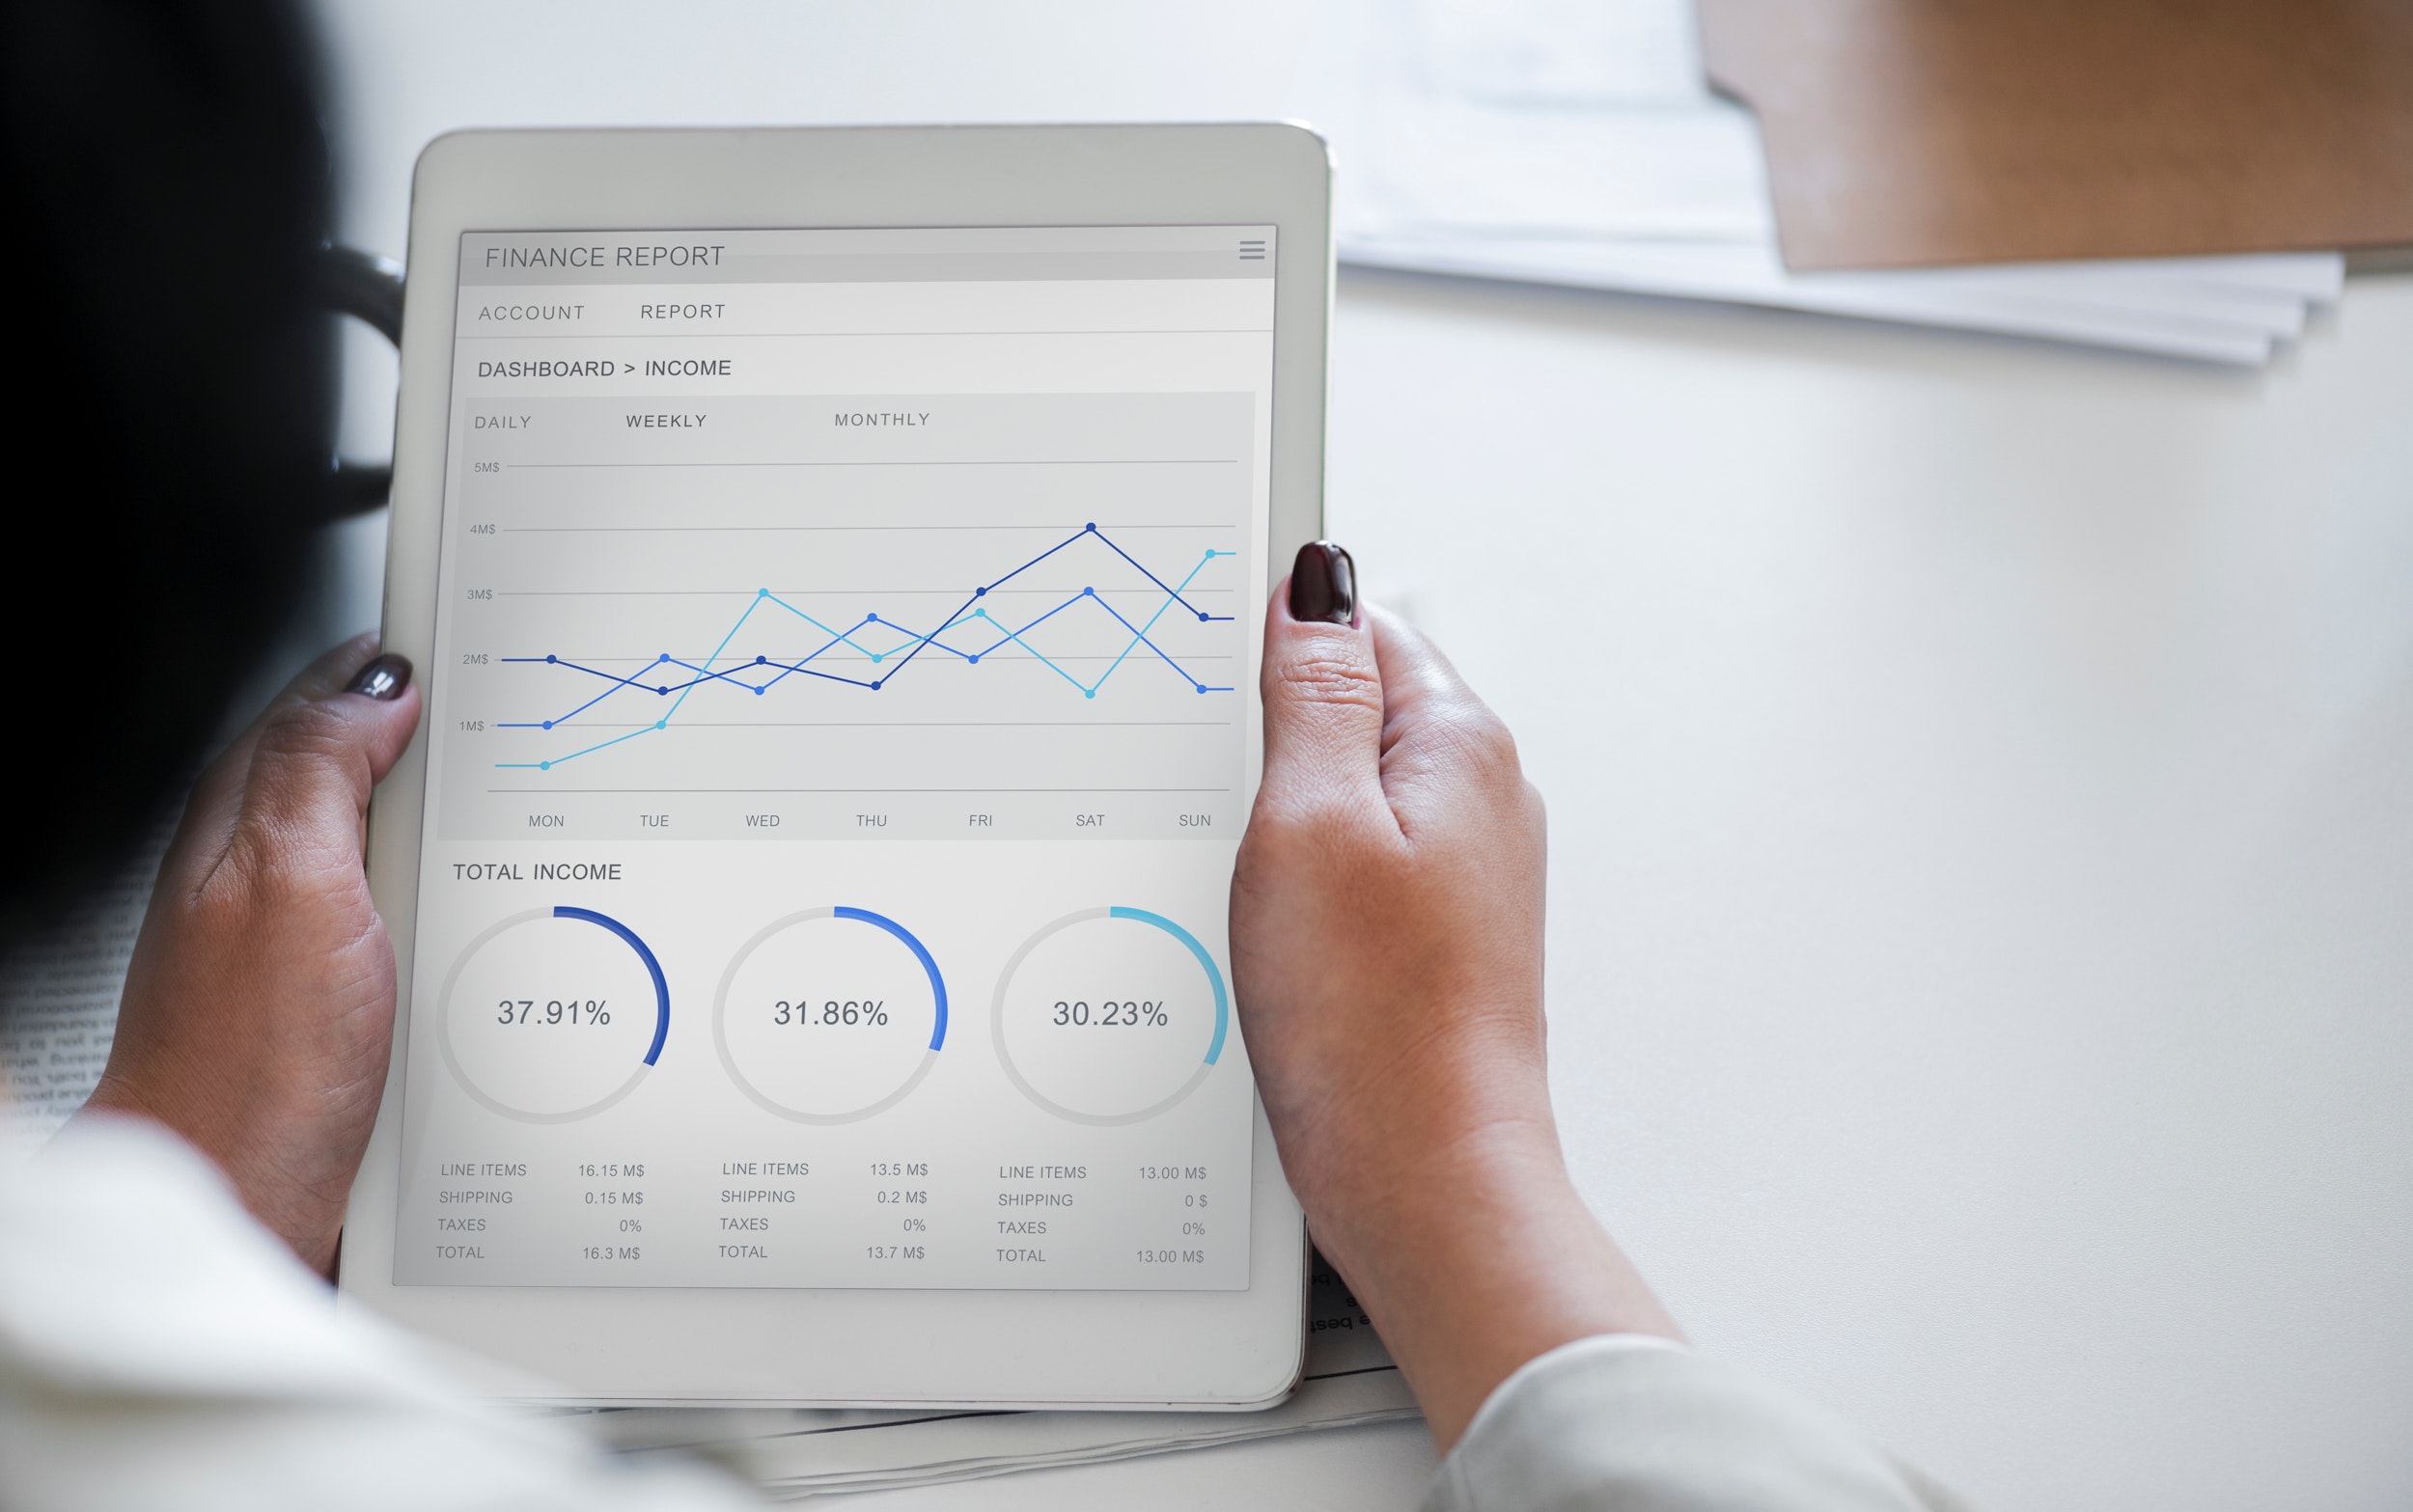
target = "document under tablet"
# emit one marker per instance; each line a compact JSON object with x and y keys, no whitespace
{"x":838,"y":744}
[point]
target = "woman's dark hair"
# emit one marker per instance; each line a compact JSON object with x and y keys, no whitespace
{"x":167,"y":184}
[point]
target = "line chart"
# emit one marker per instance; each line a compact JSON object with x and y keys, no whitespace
{"x":971,"y":633}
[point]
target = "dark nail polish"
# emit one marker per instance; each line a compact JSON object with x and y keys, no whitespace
{"x":383,"y":678}
{"x":1324,"y":584}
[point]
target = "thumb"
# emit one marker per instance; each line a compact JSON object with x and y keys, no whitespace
{"x":304,"y":769}
{"x":1323,"y":686}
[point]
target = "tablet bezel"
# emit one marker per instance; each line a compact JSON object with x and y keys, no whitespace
{"x":629,"y":1346}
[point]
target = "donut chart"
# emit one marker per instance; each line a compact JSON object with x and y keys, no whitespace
{"x":822,"y":1003}
{"x":1102,"y":1024}
{"x":544,"y":1017}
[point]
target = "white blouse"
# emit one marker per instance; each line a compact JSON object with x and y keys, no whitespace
{"x":159,"y":1348}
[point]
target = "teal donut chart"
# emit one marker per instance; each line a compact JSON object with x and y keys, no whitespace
{"x":1214,"y":975}
{"x":1137,"y":915}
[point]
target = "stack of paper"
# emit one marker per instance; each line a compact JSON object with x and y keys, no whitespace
{"x":1574,"y":142}
{"x":59,"y":999}
{"x":797,"y":1453}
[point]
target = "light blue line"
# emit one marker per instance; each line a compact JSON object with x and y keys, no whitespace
{"x":716,"y":654}
{"x":841,"y":635}
{"x":1042,"y":656}
{"x":917,"y":641}
{"x":1142,"y":633}
{"x":836,"y":637}
{"x":614,"y":740}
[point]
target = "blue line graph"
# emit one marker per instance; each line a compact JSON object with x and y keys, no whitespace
{"x":880,"y":641}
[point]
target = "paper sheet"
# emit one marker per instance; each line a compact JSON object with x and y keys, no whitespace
{"x":1550,"y":142}
{"x":59,"y":999}
{"x":792,"y":1454}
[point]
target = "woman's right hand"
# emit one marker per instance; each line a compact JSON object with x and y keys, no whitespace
{"x":1386,"y":942}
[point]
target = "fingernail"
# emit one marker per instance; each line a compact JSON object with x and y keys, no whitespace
{"x":385,"y":679}
{"x":1324,"y":584}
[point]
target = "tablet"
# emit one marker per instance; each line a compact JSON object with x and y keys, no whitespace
{"x":834,"y":563}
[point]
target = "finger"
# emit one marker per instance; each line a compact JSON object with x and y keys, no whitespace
{"x":1434,"y":725}
{"x":314,"y":762}
{"x":1323,"y":692}
{"x":217,"y":802}
{"x":1418,"y":683}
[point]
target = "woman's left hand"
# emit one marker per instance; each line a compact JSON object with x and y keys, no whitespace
{"x":259,"y":1008}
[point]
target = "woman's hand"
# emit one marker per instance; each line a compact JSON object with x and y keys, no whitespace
{"x":1386,"y":943}
{"x":259,"y":1008}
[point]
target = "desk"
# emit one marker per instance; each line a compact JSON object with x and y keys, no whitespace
{"x":1981,"y":781}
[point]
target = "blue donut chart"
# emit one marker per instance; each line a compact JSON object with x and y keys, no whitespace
{"x":654,"y":968}
{"x":920,"y":952}
{"x":873,"y":1109}
{"x":585,"y":916}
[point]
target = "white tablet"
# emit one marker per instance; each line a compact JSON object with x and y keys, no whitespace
{"x":834,"y":562}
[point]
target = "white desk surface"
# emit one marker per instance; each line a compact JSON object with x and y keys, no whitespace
{"x":1981,"y":781}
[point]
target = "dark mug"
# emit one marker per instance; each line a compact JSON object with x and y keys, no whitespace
{"x":369,"y":288}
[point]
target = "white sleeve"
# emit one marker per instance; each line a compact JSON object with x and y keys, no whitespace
{"x":160,"y":1349}
{"x":1626,"y":1424}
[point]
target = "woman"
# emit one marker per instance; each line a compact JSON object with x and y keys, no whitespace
{"x":164,"y":1332}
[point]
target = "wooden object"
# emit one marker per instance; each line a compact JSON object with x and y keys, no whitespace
{"x":1911,"y":133}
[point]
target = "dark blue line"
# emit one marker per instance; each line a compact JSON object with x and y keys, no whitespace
{"x":920,"y":643}
{"x":925,"y":640}
{"x":1170,"y":591}
{"x":1042,"y":557}
{"x":813,"y":672}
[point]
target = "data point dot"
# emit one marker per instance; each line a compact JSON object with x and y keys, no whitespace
{"x":875,"y":687}
{"x":762,"y":592}
{"x":871,"y":618}
{"x":1089,"y":592}
{"x":552,"y":658}
{"x":664,"y":692}
{"x":761,"y":660}
{"x":548,"y":724}
{"x":1201,"y":617}
{"x":661,"y":724}
{"x":979,"y":593}
{"x":975,"y":660}
{"x":1202,"y":687}
{"x":758,"y":692}
{"x":544,"y":766}
{"x":1091,"y":526}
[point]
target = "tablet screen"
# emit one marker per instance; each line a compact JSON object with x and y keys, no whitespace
{"x":840,"y":730}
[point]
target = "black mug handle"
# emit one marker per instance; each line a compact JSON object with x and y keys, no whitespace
{"x":368,"y":288}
